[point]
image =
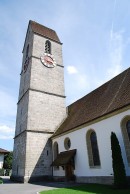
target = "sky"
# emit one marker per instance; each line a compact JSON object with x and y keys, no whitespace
{"x":96,"y":46}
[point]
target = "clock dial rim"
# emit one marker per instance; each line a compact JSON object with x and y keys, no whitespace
{"x":46,"y":63}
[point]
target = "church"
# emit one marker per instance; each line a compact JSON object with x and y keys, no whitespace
{"x":55,"y":142}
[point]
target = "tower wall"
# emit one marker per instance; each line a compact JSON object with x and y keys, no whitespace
{"x":38,"y":156}
{"x":46,"y":109}
{"x":45,"y":79}
{"x":22,"y":114}
{"x":19,"y":157}
{"x":41,"y":109}
{"x":41,"y":114}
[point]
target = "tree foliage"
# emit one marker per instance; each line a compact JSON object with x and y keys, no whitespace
{"x":8,"y":161}
{"x":117,"y":163}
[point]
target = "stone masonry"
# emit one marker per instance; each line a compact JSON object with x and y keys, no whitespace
{"x":41,"y":109}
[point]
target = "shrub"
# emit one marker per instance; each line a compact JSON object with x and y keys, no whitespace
{"x":2,"y":172}
{"x":8,"y":161}
{"x":1,"y":180}
{"x":117,"y":163}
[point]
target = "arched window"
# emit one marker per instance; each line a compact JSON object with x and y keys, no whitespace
{"x":128,"y":128}
{"x":48,"y":47}
{"x":27,"y":51}
{"x":125,"y":126}
{"x":92,"y":146}
{"x":56,"y":152}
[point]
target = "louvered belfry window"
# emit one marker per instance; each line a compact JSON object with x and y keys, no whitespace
{"x":48,"y":47}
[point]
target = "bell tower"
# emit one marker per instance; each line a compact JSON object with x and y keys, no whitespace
{"x":41,"y":103}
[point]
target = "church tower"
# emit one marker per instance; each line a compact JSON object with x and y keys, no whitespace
{"x":41,"y":103}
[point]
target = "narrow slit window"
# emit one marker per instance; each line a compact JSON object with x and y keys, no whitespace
{"x":27,"y":51}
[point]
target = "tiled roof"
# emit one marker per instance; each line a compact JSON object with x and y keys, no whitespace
{"x":111,"y":96}
{"x":3,"y":151}
{"x":64,"y":158}
{"x":44,"y":31}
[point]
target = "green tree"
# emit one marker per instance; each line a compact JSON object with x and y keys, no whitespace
{"x":117,"y":163}
{"x":8,"y":161}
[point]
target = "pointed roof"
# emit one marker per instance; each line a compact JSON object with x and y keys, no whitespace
{"x":3,"y":151}
{"x":44,"y":31}
{"x":111,"y":96}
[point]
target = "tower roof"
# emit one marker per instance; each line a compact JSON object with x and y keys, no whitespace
{"x":110,"y":97}
{"x":44,"y":31}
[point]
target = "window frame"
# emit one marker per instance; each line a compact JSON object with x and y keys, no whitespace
{"x":55,"y":153}
{"x":67,"y":143}
{"x":126,"y":138}
{"x":90,"y":150}
{"x":48,"y":47}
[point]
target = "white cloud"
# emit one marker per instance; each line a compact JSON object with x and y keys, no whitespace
{"x":6,"y":129}
{"x":6,"y":132}
{"x":71,"y":69}
{"x":115,"y":57}
{"x":113,"y":71}
{"x":7,"y":104}
{"x":114,"y":63}
{"x":4,"y":137}
{"x":82,"y":81}
{"x":114,"y":66}
{"x":116,"y":54}
{"x":7,"y":114}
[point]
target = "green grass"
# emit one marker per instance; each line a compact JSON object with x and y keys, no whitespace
{"x":87,"y":189}
{"x":1,"y":180}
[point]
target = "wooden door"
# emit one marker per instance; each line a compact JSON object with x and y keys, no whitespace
{"x":69,"y":172}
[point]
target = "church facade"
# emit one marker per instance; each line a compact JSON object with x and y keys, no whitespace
{"x":73,"y":143}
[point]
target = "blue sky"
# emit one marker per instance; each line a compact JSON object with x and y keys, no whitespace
{"x":96,"y":47}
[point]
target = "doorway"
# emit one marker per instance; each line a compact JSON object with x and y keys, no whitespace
{"x":69,"y":172}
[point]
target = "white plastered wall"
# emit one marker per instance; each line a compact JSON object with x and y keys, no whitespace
{"x":103,"y":131}
{"x":1,"y":160}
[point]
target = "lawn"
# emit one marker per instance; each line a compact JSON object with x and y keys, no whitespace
{"x":87,"y":189}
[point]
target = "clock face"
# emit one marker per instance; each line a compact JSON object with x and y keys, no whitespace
{"x":48,"y":60}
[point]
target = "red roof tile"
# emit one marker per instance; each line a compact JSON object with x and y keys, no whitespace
{"x":3,"y":151}
{"x":111,"y":96}
{"x":44,"y":31}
